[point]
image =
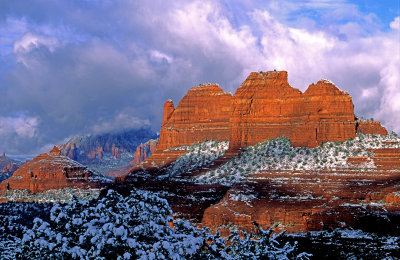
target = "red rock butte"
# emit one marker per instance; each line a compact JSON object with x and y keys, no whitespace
{"x":203,"y":113}
{"x":50,"y":171}
{"x":264,"y":106}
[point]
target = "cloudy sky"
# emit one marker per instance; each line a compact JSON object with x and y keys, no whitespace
{"x":82,"y":67}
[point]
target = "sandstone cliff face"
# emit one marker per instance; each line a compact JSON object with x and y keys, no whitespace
{"x":51,"y":171}
{"x":203,"y":113}
{"x":265,"y":106}
{"x":115,"y":152}
{"x":143,"y":151}
{"x":371,"y":127}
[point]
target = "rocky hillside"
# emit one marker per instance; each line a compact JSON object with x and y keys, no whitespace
{"x":7,"y":166}
{"x":108,"y":151}
{"x":265,"y":106}
{"x":51,"y":177}
{"x":275,"y":184}
{"x":143,"y":151}
{"x":280,"y":157}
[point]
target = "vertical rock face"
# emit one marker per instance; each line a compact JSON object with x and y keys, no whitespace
{"x":203,"y":113}
{"x":143,"y":151}
{"x":371,"y":127}
{"x":265,"y":106}
{"x":169,"y":109}
{"x":99,"y":152}
{"x":115,"y":152}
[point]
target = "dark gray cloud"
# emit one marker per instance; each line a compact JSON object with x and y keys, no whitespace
{"x":81,"y":67}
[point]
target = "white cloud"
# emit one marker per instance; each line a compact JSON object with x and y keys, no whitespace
{"x":121,"y":121}
{"x":23,"y":126}
{"x":369,"y":92}
{"x":30,"y":42}
{"x":395,"y":25}
{"x":160,"y":56}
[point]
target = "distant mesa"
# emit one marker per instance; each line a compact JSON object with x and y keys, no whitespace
{"x":87,"y":148}
{"x":107,"y":152}
{"x":7,"y":166}
{"x":143,"y":151}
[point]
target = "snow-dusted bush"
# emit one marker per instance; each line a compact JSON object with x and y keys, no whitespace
{"x":198,"y":155}
{"x":262,"y":246}
{"x":15,"y":217}
{"x":51,"y":196}
{"x":135,"y":227}
{"x":278,"y":154}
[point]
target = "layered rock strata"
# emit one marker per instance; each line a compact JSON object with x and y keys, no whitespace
{"x":203,"y":113}
{"x":299,"y":201}
{"x":265,"y":106}
{"x":143,"y":151}
{"x":51,"y":172}
{"x":371,"y":127}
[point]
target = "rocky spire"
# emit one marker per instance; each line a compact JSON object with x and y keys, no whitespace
{"x":55,"y":151}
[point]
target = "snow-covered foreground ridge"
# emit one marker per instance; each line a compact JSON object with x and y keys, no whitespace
{"x":278,"y":154}
{"x":135,"y":227}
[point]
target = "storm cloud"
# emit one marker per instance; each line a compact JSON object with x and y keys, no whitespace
{"x":82,"y":67}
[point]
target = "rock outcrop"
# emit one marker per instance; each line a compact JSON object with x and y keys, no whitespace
{"x":85,"y":149}
{"x":371,"y":127}
{"x":265,"y":106}
{"x":115,"y":152}
{"x":51,"y":172}
{"x":10,"y":168}
{"x":143,"y":151}
{"x":7,"y":166}
{"x":307,"y":200}
{"x":203,"y":113}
